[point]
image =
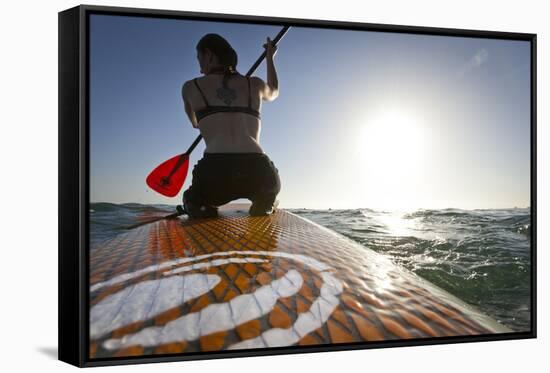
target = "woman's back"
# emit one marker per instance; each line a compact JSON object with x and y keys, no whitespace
{"x":228,"y":132}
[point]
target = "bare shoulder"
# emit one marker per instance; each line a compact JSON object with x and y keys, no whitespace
{"x":256,"y":79}
{"x":257,"y":82}
{"x":262,"y":87}
{"x":187,"y":84}
{"x":185,"y":88}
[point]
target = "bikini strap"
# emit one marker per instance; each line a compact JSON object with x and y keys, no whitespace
{"x":200,"y":90}
{"x":249,"y":94}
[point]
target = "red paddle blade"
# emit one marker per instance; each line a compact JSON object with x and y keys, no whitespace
{"x":160,"y":180}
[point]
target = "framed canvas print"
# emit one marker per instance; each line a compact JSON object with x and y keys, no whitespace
{"x":233,"y":185}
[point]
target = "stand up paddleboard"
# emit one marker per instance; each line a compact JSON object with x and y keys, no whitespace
{"x":241,"y":282}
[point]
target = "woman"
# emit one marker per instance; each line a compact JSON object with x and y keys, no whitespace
{"x":225,"y":106}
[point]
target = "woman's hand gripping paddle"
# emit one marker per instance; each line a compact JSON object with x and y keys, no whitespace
{"x":168,"y":178}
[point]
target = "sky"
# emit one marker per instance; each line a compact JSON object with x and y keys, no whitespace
{"x":363,"y":119}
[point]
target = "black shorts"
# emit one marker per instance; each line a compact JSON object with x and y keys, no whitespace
{"x":219,"y":178}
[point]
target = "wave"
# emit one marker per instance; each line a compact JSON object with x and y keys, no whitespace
{"x":98,"y":207}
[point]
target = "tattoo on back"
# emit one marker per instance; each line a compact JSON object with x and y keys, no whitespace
{"x":228,"y":95}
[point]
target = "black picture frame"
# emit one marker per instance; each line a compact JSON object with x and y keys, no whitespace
{"x":74,"y":180}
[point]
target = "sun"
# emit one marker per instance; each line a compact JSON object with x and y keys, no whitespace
{"x":391,"y":148}
{"x":393,"y":142}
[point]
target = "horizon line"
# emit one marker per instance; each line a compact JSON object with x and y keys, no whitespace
{"x":337,"y":208}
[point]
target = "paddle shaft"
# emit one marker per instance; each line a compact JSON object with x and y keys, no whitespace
{"x":173,"y":215}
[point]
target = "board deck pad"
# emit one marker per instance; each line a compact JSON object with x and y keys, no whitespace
{"x":241,"y":282}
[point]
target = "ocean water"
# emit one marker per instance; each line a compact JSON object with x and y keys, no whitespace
{"x":481,"y":256}
{"x":109,"y":219}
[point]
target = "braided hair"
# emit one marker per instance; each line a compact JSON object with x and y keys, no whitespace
{"x":223,"y":50}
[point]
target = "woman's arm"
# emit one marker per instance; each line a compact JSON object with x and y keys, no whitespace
{"x":188,"y":108}
{"x":270,"y":90}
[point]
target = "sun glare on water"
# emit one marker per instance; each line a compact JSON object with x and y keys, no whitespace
{"x":391,"y":152}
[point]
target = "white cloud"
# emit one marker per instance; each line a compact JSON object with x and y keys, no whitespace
{"x":475,"y":61}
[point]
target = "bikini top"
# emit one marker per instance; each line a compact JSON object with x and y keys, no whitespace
{"x":212,"y":109}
